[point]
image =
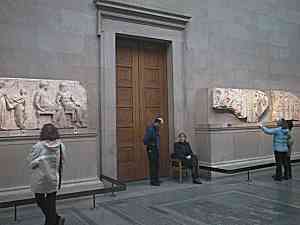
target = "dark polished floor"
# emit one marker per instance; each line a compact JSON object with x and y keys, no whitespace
{"x":224,"y":201}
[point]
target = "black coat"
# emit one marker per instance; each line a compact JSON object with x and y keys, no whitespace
{"x":181,"y":150}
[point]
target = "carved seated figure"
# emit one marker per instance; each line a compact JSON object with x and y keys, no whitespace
{"x":42,"y":102}
{"x":68,"y":106}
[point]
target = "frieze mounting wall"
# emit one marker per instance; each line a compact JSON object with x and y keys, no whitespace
{"x":253,"y":105}
{"x":30,"y":103}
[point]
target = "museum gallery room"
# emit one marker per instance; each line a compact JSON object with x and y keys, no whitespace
{"x":149,"y":112}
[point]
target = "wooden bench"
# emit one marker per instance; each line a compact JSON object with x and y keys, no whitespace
{"x":242,"y":168}
{"x":115,"y":186}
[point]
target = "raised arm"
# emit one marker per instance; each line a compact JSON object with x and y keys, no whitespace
{"x":270,"y":130}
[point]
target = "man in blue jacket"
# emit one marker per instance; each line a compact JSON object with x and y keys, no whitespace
{"x":280,"y":147}
{"x":152,"y":141}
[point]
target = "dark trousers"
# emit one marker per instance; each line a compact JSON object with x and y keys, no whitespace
{"x":153,"y":157}
{"x":47,"y":203}
{"x":192,"y":163}
{"x":281,"y":160}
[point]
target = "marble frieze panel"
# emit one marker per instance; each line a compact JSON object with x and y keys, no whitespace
{"x":285,"y":105}
{"x":30,"y":103}
{"x":246,"y":104}
{"x":252,"y":105}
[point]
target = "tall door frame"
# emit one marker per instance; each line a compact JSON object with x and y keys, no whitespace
{"x":108,"y":29}
{"x":139,"y":95}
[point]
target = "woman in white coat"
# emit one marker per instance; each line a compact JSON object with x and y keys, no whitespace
{"x":45,"y":162}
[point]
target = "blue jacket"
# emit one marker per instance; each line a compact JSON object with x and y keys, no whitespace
{"x":151,"y":137}
{"x":280,"y":138}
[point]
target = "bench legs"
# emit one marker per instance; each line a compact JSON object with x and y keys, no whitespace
{"x":112,"y":191}
{"x":94,"y":201}
{"x":180,"y":173}
{"x":15,"y":213}
{"x":248,"y":178}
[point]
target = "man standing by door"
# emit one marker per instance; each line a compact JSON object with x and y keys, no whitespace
{"x":152,"y":141}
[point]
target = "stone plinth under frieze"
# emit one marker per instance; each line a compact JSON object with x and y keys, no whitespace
{"x":30,"y":103}
{"x":252,"y":105}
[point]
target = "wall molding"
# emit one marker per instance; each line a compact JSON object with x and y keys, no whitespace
{"x":36,"y":137}
{"x":138,"y":14}
{"x":204,"y":128}
{"x":211,"y":128}
{"x":246,"y":162}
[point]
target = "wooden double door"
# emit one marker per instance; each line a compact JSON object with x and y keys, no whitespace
{"x":142,"y":94}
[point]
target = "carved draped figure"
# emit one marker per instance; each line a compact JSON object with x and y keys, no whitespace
{"x":17,"y":104}
{"x":3,"y":110}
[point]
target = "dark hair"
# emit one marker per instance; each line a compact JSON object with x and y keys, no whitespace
{"x":290,"y":124}
{"x":158,"y":120}
{"x":182,"y":133}
{"x":49,"y":132}
{"x":284,"y":124}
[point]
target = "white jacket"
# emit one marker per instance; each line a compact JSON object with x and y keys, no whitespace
{"x":44,"y":164}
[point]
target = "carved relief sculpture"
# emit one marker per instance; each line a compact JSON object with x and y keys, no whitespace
{"x":42,"y":100}
{"x":3,"y":109}
{"x":29,"y":103}
{"x":43,"y":104}
{"x":251,"y":105}
{"x":17,"y":103}
{"x":245,"y":104}
{"x":67,"y":105}
{"x":285,"y":105}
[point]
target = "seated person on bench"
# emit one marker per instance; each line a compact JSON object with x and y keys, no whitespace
{"x":183,"y":151}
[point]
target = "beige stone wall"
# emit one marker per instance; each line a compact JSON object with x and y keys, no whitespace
{"x":51,"y":40}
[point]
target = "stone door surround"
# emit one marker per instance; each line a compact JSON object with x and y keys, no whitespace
{"x":113,"y":19}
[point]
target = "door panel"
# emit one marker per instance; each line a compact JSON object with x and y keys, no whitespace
{"x":127,"y":69}
{"x":141,"y":96}
{"x":153,"y":88}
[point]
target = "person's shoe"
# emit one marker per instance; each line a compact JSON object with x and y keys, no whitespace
{"x":197,"y":181}
{"x":61,"y":221}
{"x":160,"y":181}
{"x":154,"y":184}
{"x":276,"y":178}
